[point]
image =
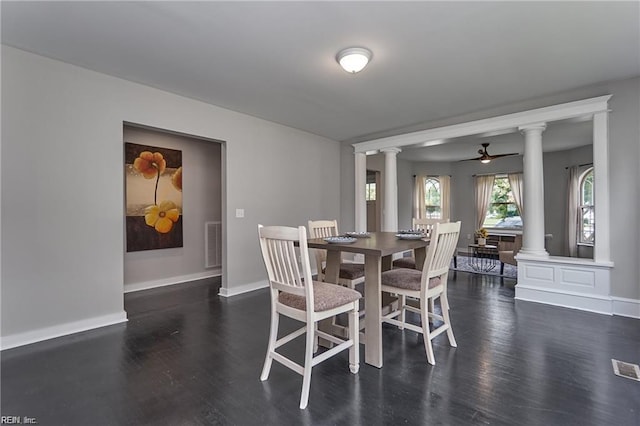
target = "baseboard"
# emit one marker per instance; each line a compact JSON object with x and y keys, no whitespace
{"x":626,"y":307}
{"x":581,"y":301}
{"x":246,"y":288}
{"x":145,"y":285}
{"x":33,"y":336}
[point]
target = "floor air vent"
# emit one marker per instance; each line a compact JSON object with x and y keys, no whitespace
{"x":624,"y":369}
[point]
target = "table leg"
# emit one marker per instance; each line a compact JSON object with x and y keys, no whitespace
{"x":331,"y":275}
{"x":373,"y":317}
{"x":421,"y":255}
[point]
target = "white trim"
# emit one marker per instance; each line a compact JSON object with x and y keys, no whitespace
{"x":565,"y":299}
{"x":46,"y":333}
{"x":573,"y":261}
{"x":503,"y":122}
{"x":241,"y":289}
{"x":145,"y":285}
{"x":626,"y":307}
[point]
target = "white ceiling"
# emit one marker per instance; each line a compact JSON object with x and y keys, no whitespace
{"x":276,"y":60}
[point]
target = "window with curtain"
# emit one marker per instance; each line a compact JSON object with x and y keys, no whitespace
{"x":587,"y":224}
{"x":502,"y":211}
{"x":432,"y":196}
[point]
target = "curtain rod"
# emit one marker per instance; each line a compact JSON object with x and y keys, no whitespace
{"x":495,"y":174}
{"x":433,"y":175}
{"x":580,"y":165}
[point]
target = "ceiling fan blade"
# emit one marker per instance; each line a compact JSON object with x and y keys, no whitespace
{"x":503,"y":155}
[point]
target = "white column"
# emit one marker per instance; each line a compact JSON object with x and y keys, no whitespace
{"x":390,"y":220}
{"x":533,"y":176}
{"x":360,"y":194}
{"x":601,"y":249}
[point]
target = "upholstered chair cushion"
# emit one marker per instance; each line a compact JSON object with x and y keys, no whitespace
{"x":406,"y":278}
{"x":350,"y":271}
{"x":325,"y":296}
{"x":405,"y":262}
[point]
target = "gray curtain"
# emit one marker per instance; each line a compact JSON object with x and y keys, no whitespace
{"x":484,"y":188}
{"x":517,"y":188}
{"x":445,"y":197}
{"x":419,"y":207}
{"x":573,"y":198}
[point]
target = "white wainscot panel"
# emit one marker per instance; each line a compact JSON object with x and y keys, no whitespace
{"x":580,"y":277}
{"x":573,"y":283}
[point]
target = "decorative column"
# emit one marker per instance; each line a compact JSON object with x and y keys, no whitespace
{"x":390,"y":217}
{"x":602,"y":243}
{"x":360,"y":194}
{"x":533,"y":176}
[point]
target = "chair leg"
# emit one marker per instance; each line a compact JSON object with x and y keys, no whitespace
{"x":354,"y":334}
{"x":308,"y":358}
{"x":273,"y":336}
{"x":426,"y":333}
{"x":444,"y":304}
{"x":402,"y":300}
{"x":501,"y":268}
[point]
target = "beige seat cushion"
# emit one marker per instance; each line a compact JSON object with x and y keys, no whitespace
{"x":325,"y":296}
{"x":408,"y":279}
{"x":350,"y":271}
{"x":405,"y":262}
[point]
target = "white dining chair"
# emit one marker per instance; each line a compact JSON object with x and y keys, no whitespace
{"x":351,"y":274}
{"x":295,"y":295}
{"x":426,"y":286}
{"x":424,"y":225}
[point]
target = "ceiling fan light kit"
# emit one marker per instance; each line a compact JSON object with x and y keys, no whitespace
{"x":485,"y":157}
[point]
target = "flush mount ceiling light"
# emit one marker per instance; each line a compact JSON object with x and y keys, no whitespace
{"x":354,"y":59}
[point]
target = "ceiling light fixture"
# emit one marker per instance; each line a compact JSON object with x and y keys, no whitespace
{"x":354,"y":59}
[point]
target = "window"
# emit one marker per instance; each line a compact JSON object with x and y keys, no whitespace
{"x":502,"y":212}
{"x":432,"y":198}
{"x":586,"y":227}
{"x":370,"y":194}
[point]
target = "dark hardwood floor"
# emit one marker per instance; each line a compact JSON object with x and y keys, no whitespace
{"x":189,"y":357}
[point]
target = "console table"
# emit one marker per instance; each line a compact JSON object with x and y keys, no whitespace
{"x":483,"y":257}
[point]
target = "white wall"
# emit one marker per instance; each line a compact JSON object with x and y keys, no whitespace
{"x":63,"y":192}
{"x":201,"y":200}
{"x":624,"y":150}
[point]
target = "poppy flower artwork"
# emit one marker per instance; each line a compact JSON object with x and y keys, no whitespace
{"x":153,"y":178}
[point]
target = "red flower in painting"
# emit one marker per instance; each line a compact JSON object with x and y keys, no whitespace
{"x":176,"y":179}
{"x":150,"y":164}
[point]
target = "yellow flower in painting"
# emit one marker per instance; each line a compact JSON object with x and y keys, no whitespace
{"x":176,"y":179}
{"x":162,"y":217}
{"x":150,"y":164}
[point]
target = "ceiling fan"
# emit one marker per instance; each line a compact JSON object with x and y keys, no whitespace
{"x":485,"y":157}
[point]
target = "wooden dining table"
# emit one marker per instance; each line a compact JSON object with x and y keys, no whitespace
{"x":377,"y":249}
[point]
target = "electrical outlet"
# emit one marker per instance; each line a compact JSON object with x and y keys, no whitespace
{"x":468,"y":236}
{"x":239,"y":212}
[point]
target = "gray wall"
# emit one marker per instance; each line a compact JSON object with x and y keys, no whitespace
{"x":63,"y":192}
{"x":202,"y":201}
{"x":624,"y":152}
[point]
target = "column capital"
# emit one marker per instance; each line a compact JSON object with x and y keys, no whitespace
{"x":391,"y":149}
{"x":532,"y":127}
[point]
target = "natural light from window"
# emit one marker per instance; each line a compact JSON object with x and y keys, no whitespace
{"x":587,"y":226}
{"x":432,"y":198}
{"x":502,"y":211}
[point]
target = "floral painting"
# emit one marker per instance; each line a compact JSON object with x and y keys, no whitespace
{"x":153,"y":197}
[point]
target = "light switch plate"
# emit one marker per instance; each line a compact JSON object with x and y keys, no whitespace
{"x":239,"y":212}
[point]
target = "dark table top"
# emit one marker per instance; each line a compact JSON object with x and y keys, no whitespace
{"x":378,"y":243}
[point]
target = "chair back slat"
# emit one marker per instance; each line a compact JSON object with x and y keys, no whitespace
{"x":280,"y":255}
{"x":322,"y":229}
{"x":427,"y":225}
{"x":443,"y":243}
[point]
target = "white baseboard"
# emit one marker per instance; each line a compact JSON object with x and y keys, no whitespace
{"x":581,"y":301}
{"x":626,"y":307}
{"x":246,"y":288}
{"x":145,"y":285}
{"x":33,"y":336}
